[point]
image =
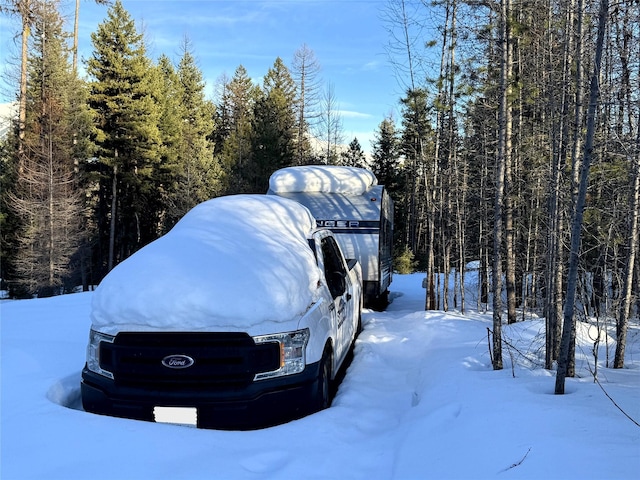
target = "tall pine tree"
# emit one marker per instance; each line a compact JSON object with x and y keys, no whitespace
{"x":385,"y":164}
{"x":273,"y":136}
{"x":199,"y":177}
{"x":127,"y":136}
{"x":414,"y":145}
{"x":170,"y":123}
{"x":233,"y":127}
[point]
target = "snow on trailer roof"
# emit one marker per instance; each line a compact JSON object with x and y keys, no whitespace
{"x":322,"y":178}
{"x":232,"y":261}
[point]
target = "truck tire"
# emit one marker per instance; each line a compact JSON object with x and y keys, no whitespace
{"x":323,"y":392}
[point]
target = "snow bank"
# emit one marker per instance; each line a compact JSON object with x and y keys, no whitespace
{"x":419,"y":401}
{"x":232,"y":261}
{"x":322,"y":178}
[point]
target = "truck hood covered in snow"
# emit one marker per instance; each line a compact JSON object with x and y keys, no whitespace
{"x":231,"y":262}
{"x":322,"y":178}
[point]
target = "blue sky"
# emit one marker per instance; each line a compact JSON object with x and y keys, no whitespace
{"x":348,"y":38}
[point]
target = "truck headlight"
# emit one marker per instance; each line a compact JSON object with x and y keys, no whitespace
{"x":93,"y":352}
{"x":293,"y":346}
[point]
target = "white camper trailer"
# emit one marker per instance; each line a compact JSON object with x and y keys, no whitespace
{"x":349,"y":202}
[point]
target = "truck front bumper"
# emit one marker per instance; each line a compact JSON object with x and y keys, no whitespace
{"x":262,"y":404}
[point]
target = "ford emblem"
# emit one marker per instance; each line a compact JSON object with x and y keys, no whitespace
{"x":178,"y":361}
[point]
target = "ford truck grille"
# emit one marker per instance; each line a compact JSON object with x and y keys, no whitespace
{"x":220,"y":360}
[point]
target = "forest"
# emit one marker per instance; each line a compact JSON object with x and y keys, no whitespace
{"x":517,"y":151}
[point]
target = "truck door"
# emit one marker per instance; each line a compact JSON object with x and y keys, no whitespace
{"x":338,"y":283}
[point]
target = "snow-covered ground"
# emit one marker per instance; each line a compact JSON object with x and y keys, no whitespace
{"x":419,"y":400}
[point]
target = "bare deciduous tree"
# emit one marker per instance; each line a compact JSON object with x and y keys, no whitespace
{"x":330,"y":124}
{"x":634,"y":234}
{"x":305,"y":70}
{"x":578,"y":213}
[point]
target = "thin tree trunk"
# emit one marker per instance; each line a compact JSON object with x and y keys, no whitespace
{"x":75,"y":36}
{"x":532,"y":236}
{"x":25,"y":12}
{"x":483,"y":284}
{"x":430,"y":295}
{"x":452,"y":163}
{"x":510,"y":255}
{"x":417,"y":157}
{"x":576,"y":146}
{"x":576,"y":223}
{"x":461,"y":200}
{"x":499,"y":194}
{"x":112,"y":225}
{"x":634,"y":233}
{"x":50,"y":205}
{"x":555,"y":264}
{"x":577,"y":116}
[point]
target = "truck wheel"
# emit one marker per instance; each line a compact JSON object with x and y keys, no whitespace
{"x":323,"y":393}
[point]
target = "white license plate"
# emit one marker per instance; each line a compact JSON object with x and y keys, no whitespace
{"x":177,"y":415}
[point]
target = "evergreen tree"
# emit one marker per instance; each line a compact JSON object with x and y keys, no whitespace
{"x":170,"y":125}
{"x":222,"y":116}
{"x":199,"y":176}
{"x":414,"y":144}
{"x":385,"y":164}
{"x":234,"y":116}
{"x":279,"y":85}
{"x":386,"y":156}
{"x":127,"y":136}
{"x":354,"y":156}
{"x":273,"y":136}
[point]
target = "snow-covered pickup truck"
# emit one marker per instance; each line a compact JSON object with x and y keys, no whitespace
{"x":240,"y":317}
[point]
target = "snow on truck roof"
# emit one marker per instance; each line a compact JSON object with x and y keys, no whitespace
{"x":232,"y":261}
{"x":322,"y":178}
